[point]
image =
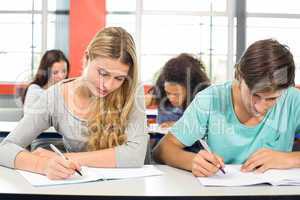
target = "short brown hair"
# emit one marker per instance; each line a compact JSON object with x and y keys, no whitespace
{"x":266,"y":65}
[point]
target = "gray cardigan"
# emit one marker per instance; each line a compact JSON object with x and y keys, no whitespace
{"x":34,"y":92}
{"x":51,"y":110}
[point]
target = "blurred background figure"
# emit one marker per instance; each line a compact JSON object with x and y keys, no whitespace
{"x":53,"y":67}
{"x":180,"y":80}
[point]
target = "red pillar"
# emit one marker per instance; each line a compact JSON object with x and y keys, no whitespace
{"x":86,"y":18}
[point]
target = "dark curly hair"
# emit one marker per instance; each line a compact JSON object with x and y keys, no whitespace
{"x":185,"y":70}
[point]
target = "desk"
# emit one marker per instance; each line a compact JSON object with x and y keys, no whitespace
{"x":174,"y":184}
{"x":9,"y":126}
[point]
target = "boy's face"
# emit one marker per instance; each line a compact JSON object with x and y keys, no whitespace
{"x":257,"y":104}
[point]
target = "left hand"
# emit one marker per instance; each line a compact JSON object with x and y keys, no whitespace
{"x":264,"y":159}
{"x":167,"y":124}
{"x":44,"y":153}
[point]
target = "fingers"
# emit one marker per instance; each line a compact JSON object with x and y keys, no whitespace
{"x":262,"y":168}
{"x":211,"y":158}
{"x":220,"y":160}
{"x":167,"y":124}
{"x":205,"y":164}
{"x":59,"y":168}
{"x":255,"y":160}
{"x":164,"y":125}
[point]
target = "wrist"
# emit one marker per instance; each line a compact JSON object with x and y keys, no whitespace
{"x":296,"y":159}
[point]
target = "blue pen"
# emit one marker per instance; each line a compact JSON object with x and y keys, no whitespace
{"x":206,"y":147}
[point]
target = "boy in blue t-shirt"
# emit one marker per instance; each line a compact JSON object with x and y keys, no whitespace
{"x":251,"y":120}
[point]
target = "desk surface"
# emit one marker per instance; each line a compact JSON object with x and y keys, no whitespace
{"x":174,"y":182}
{"x":9,"y":126}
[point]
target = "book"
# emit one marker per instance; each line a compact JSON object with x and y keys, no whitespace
{"x":92,"y":174}
{"x":234,"y":177}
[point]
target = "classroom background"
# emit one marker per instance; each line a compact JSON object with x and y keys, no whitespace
{"x":217,"y":31}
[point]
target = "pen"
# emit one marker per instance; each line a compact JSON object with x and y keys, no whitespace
{"x":206,"y":147}
{"x":62,"y":155}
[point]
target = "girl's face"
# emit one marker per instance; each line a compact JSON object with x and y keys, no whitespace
{"x":105,"y":75}
{"x":58,"y":72}
{"x":176,"y":93}
{"x":258,"y":103}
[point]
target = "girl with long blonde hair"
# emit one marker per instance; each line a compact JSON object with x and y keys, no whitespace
{"x":100,"y":114}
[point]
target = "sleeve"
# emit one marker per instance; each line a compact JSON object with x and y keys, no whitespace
{"x":163,"y":117}
{"x":193,"y":124}
{"x":35,"y":121}
{"x":133,"y":152}
{"x":34,"y":92}
{"x":296,"y":113}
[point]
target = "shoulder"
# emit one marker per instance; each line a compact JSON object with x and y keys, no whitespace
{"x":216,"y":92}
{"x":292,"y":95}
{"x":34,"y":88}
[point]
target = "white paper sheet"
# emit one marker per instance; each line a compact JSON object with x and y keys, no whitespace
{"x":93,"y":174}
{"x":234,"y":177}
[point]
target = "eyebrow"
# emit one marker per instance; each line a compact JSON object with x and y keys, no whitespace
{"x":108,"y":72}
{"x":272,"y":97}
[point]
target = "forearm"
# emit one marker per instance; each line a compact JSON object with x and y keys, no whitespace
{"x":30,"y":162}
{"x":100,"y":158}
{"x":295,"y":159}
{"x":174,"y":156}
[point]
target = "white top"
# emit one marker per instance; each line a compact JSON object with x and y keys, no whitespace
{"x":34,"y":92}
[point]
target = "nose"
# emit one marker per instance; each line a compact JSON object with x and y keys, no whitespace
{"x":172,"y":98}
{"x":261,"y":105}
{"x":108,"y":83}
{"x":62,"y":75}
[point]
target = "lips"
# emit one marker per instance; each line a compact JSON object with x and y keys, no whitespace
{"x":102,"y":92}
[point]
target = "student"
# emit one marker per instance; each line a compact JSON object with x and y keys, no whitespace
{"x":99,"y":114}
{"x":54,"y":67}
{"x":179,"y":81}
{"x":251,"y":120}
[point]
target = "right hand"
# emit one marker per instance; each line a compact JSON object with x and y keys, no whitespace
{"x":206,"y":164}
{"x":57,"y":168}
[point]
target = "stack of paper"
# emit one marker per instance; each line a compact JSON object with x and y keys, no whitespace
{"x":93,"y":174}
{"x":234,"y":177}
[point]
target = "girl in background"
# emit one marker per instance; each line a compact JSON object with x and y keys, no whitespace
{"x":54,"y":67}
{"x":180,"y":80}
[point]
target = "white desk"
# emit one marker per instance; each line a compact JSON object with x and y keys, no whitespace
{"x":9,"y":126}
{"x":174,"y":184}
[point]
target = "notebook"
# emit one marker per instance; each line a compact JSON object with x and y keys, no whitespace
{"x":234,"y":177}
{"x":93,"y":174}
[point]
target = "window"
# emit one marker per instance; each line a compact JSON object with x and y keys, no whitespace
{"x":164,"y":29}
{"x":28,"y":28}
{"x":276,"y":21}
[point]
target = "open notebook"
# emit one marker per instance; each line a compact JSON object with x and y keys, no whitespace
{"x":93,"y":174}
{"x":234,"y":177}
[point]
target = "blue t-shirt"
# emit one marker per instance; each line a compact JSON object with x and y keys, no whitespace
{"x":211,"y":115}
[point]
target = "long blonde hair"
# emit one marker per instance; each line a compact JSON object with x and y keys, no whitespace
{"x":107,"y":124}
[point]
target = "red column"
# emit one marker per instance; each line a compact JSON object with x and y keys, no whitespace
{"x":86,"y":18}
